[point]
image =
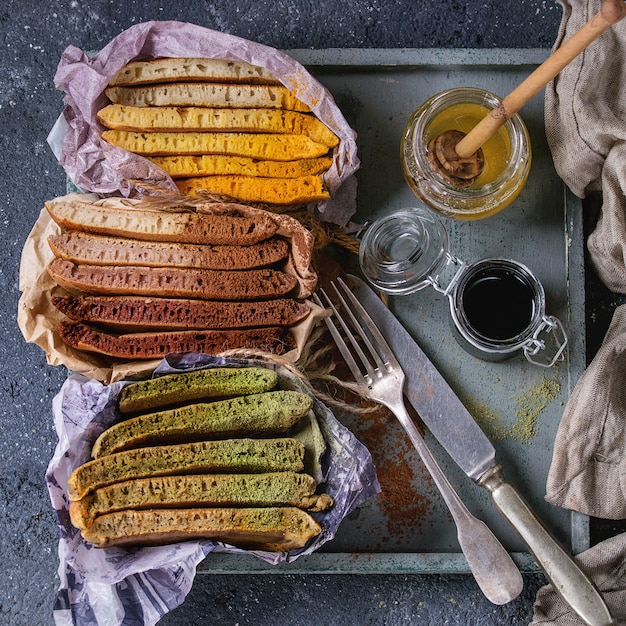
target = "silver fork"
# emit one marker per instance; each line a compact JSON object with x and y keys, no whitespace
{"x":383,"y":381}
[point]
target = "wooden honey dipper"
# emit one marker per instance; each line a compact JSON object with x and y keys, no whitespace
{"x":459,"y":158}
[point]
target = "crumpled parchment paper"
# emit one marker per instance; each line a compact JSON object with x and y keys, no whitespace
{"x":93,"y":165}
{"x":137,"y":587}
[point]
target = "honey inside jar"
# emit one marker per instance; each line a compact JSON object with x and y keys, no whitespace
{"x":464,"y":116}
{"x":507,"y":155}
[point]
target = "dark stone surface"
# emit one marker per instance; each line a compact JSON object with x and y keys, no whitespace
{"x":33,"y":36}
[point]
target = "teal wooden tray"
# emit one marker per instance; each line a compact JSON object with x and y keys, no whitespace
{"x":407,"y":528}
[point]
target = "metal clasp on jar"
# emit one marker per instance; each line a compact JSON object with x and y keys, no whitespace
{"x":554,"y":332}
{"x":448,"y":276}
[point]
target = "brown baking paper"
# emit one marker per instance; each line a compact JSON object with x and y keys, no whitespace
{"x":38,"y":319}
{"x":95,"y":166}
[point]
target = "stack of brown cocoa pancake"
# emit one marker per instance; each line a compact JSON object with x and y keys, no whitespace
{"x":142,"y":281}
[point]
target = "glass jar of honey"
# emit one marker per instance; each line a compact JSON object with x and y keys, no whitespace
{"x":497,"y":306}
{"x":507,"y":155}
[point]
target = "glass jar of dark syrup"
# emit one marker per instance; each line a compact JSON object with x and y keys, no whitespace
{"x":497,"y":306}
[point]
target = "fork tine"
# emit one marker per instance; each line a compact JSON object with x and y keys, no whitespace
{"x":382,"y":348}
{"x":380,"y":361}
{"x":369,"y":368}
{"x":336,"y":335}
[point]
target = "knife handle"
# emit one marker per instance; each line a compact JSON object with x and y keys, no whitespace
{"x":569,"y":581}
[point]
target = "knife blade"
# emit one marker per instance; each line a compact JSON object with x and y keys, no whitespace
{"x":453,"y":426}
{"x":438,"y":406}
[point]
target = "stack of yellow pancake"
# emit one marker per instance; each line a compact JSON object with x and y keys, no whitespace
{"x":228,"y":128}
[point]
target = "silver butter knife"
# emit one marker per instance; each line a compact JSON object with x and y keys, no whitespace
{"x":456,"y":430}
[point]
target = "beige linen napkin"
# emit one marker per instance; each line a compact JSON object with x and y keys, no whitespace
{"x":588,"y":471}
{"x":586,"y":131}
{"x":585,"y":118}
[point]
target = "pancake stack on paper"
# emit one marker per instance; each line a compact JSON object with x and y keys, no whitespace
{"x":201,"y":454}
{"x":223,"y":127}
{"x":142,"y":281}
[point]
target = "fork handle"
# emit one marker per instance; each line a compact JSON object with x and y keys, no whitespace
{"x":492,"y":566}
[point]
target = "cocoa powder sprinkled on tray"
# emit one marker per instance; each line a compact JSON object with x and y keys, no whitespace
{"x":405,"y":502}
{"x":404,"y":481}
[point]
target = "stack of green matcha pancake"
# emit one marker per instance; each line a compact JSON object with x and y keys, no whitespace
{"x":201,"y":454}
